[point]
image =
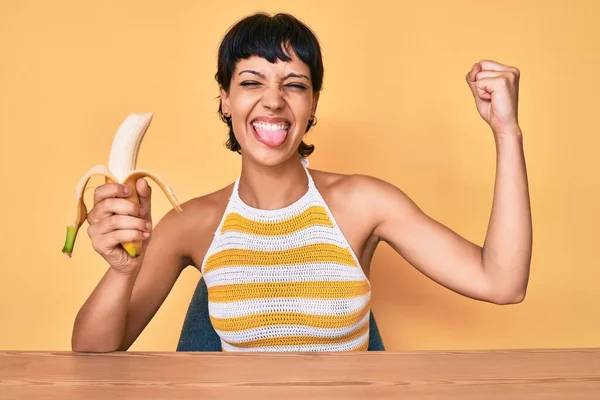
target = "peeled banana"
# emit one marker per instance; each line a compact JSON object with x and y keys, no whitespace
{"x":121,"y":169}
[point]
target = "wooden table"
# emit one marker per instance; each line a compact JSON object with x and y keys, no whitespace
{"x":566,"y":374}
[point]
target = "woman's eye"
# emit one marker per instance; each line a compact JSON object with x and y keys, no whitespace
{"x":297,"y":86}
{"x":256,"y":84}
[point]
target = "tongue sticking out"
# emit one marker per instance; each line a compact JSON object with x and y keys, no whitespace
{"x":269,"y":137}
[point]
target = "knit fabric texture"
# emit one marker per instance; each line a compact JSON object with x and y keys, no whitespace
{"x":285,"y":280}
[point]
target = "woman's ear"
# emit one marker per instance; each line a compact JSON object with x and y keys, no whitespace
{"x":225,"y":106}
{"x":315,"y":102}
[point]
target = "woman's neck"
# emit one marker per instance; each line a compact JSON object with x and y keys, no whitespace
{"x":271,"y":188}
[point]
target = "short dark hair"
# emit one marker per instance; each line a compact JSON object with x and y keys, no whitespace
{"x":267,"y":36}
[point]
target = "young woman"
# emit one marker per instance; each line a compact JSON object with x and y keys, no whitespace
{"x":285,"y":250}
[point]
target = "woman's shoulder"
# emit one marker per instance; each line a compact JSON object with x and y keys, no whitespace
{"x":203,"y":209}
{"x":353,"y":185}
{"x":196,"y":223}
{"x":211,"y":205}
{"x":367,"y":198}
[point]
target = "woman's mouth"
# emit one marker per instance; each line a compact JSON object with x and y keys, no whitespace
{"x":272,"y":135}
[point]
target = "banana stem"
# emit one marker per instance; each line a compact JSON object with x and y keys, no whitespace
{"x":79,"y":219}
{"x":70,"y":240}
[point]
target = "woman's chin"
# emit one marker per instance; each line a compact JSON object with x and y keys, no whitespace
{"x":268,"y":160}
{"x":270,"y":157}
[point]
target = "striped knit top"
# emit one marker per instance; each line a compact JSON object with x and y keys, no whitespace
{"x":285,"y":280}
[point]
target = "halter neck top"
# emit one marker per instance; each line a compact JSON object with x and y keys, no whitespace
{"x":285,"y":280}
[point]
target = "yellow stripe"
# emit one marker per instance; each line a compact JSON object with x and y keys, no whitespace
{"x":288,"y":318}
{"x":320,"y":252}
{"x":302,"y":340}
{"x":315,"y":215}
{"x":306,"y":290}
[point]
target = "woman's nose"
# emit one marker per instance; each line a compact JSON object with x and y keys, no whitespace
{"x":273,"y":98}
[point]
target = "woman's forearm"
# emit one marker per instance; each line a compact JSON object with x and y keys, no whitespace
{"x":508,"y":243}
{"x":101,"y":321}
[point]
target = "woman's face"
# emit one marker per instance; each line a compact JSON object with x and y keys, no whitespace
{"x":270,"y":105}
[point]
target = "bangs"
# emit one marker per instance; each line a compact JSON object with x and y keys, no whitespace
{"x":272,"y":38}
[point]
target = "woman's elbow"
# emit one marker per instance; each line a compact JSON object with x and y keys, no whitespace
{"x":79,"y":346}
{"x":509,"y":297}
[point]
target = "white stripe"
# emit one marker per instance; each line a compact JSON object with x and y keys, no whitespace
{"x":308,"y":200}
{"x":311,"y":272}
{"x":316,"y":234}
{"x":271,"y":331}
{"x":304,"y":348}
{"x":243,"y":308}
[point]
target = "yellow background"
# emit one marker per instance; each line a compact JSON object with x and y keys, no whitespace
{"x":395,"y":105}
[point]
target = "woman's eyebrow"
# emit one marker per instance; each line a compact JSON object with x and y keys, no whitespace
{"x":293,"y":75}
{"x":253,"y":72}
{"x":290,"y":75}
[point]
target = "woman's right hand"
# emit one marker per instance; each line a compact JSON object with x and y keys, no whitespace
{"x":114,"y":220}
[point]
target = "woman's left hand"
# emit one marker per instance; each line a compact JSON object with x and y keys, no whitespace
{"x":496,"y":90}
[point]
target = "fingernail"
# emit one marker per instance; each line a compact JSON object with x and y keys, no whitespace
{"x":148,"y":225}
{"x":146,"y":234}
{"x":127,"y":190}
